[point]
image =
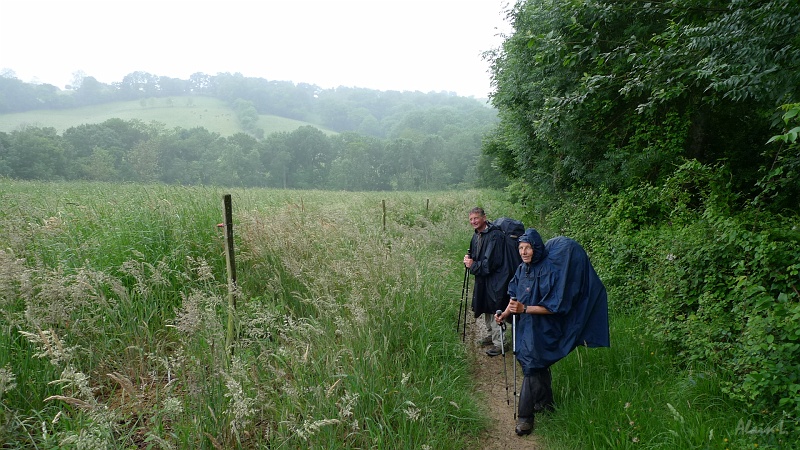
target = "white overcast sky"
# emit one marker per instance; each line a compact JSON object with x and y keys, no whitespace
{"x":414,"y":45}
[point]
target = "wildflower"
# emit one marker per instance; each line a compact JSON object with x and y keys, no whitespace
{"x":670,"y":257}
{"x":627,"y":405}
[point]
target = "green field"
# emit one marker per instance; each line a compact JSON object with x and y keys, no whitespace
{"x":184,"y":112}
{"x":116,"y":316}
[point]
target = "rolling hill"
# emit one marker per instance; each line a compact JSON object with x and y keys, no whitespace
{"x":183,"y":111}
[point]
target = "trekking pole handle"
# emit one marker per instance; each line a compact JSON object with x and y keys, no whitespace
{"x":498,"y":313}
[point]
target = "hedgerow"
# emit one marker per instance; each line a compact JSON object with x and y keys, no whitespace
{"x":715,"y":278}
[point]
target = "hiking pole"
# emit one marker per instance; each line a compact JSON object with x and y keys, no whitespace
{"x":461,"y":303}
{"x":514,"y":349}
{"x":503,"y":351}
{"x":466,"y":299}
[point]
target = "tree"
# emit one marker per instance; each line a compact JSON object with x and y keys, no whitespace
{"x":359,"y":164}
{"x":91,"y":92}
{"x":610,"y":93}
{"x":102,"y":166}
{"x":200,"y":83}
{"x":311,"y":157}
{"x":188,"y":156}
{"x":173,"y":86}
{"x":144,"y":160}
{"x":5,"y":153}
{"x":239,"y":163}
{"x":247,"y":115}
{"x":403,"y":155}
{"x":77,"y":79}
{"x":136,"y":85}
{"x":276,"y":158}
{"x":35,"y":154}
{"x":116,"y":136}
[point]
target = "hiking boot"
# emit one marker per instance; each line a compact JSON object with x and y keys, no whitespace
{"x":494,"y":351}
{"x":485,"y":342}
{"x":524,"y":427}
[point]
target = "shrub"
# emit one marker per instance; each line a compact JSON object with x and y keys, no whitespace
{"x":717,"y":281}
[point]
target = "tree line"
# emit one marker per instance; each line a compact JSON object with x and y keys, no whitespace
{"x":306,"y":158}
{"x":390,"y":140}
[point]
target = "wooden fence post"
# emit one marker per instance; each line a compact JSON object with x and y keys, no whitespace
{"x":230,"y":263}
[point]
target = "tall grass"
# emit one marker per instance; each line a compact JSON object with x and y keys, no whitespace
{"x":113,"y":301}
{"x":630,"y":396}
{"x":114,"y":312}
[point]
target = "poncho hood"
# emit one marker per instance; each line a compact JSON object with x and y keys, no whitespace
{"x":533,"y":237}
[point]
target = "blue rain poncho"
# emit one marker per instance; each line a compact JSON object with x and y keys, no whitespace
{"x":561,"y":279}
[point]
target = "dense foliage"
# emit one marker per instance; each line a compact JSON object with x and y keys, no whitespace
{"x":645,"y":129}
{"x":611,"y":93}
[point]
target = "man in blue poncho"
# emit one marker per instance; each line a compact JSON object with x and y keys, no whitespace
{"x":561,"y":304}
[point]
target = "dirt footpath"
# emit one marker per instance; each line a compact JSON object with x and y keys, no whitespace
{"x":490,"y":381}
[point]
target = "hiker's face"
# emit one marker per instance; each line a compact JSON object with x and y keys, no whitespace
{"x":526,"y":252}
{"x":477,"y":221}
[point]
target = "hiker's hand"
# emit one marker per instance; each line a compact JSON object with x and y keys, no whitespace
{"x":500,"y":318}
{"x":467,"y":261}
{"x":515,"y":307}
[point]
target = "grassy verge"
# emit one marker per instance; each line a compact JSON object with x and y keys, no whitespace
{"x":630,"y":396}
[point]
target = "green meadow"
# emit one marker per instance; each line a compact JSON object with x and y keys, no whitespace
{"x":181,"y":111}
{"x":116,"y":303}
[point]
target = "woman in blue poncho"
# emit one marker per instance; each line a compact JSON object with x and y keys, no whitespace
{"x":561,"y":304}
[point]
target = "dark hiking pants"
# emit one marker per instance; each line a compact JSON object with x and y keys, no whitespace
{"x":536,"y":394}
